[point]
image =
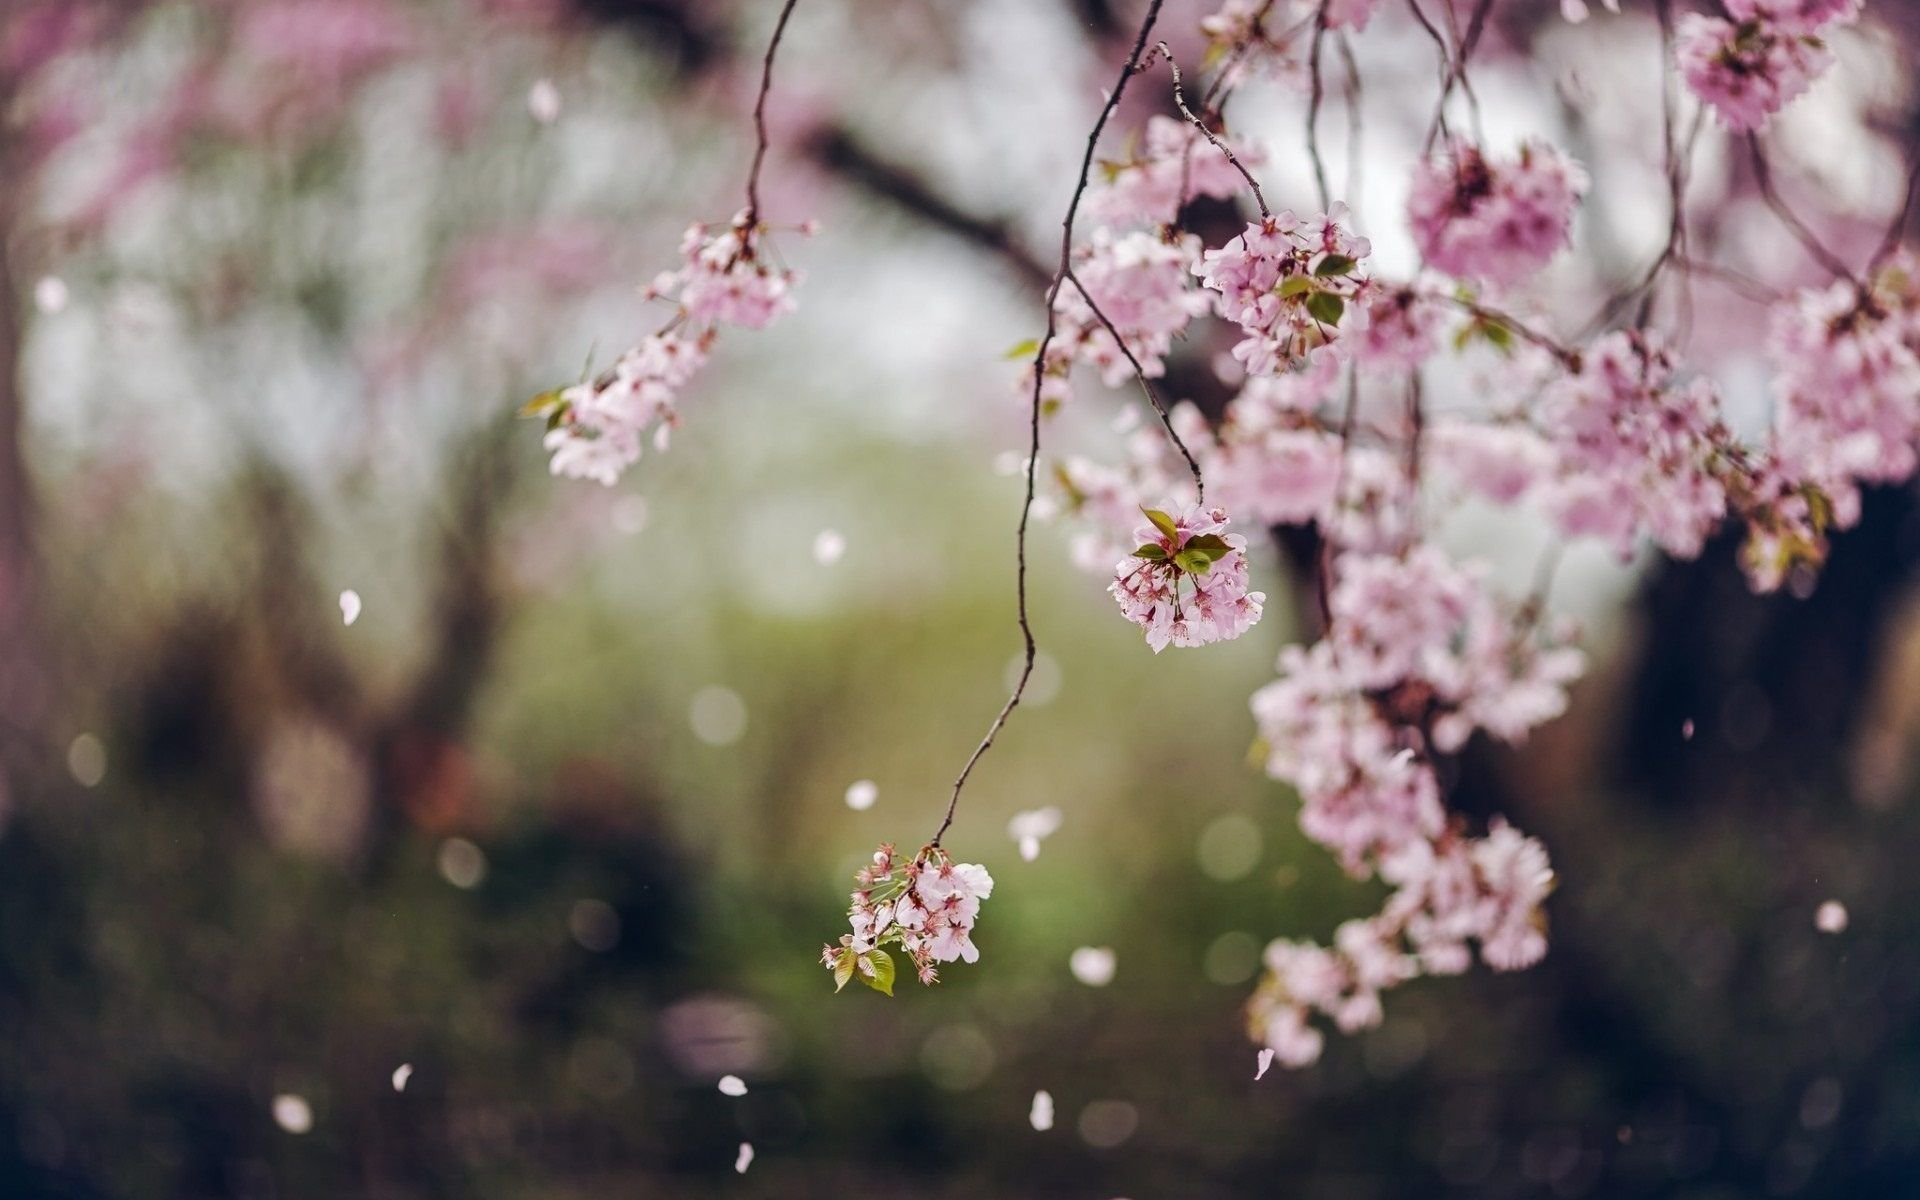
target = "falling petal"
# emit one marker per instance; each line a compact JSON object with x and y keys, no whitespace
{"x":1032,"y":827}
{"x":292,"y":1113}
{"x":1093,"y":965}
{"x":543,"y":101}
{"x":828,"y":546}
{"x":1686,"y":730}
{"x":1041,"y":1115}
{"x":861,"y":794}
{"x":744,"y":1159}
{"x":50,"y":294}
{"x":1831,"y":917}
{"x":1265,"y":1060}
{"x":401,"y":1074}
{"x":349,"y":606}
{"x":732,"y":1085}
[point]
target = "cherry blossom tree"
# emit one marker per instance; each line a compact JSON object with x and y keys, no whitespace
{"x":1608,"y":427}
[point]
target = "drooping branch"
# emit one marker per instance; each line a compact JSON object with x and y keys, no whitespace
{"x":761,"y":141}
{"x":1029,"y":647}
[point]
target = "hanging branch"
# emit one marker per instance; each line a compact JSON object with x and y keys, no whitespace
{"x":760,"y":114}
{"x":1060,"y":274}
{"x":1180,"y":100}
{"x":1763,"y":179}
{"x":1313,"y":109}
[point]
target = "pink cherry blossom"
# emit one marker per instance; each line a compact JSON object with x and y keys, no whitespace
{"x":1173,"y":164}
{"x":926,"y":907}
{"x":1187,"y":583}
{"x":1638,"y":448}
{"x":1495,"y":221}
{"x":1141,"y":282}
{"x":1798,"y":16}
{"x":725,"y":276}
{"x":1746,"y":72}
{"x":1292,"y":286}
{"x":598,"y":428}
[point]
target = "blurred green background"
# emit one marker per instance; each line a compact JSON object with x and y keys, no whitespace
{"x":558,"y":822}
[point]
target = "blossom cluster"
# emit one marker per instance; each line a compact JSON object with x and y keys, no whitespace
{"x":1419,"y":655}
{"x":1748,"y":68}
{"x":1846,"y":364}
{"x":1137,"y":281}
{"x":1609,"y":436}
{"x":1638,"y":451}
{"x":1186,"y":584}
{"x":597,"y":428}
{"x":1448,"y":892}
{"x":926,"y":906}
{"x":1495,"y":221}
{"x":1291,"y":285}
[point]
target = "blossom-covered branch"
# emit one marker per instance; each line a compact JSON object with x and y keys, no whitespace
{"x":729,"y":274}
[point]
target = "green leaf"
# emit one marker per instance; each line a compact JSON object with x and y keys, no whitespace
{"x":1326,"y":307}
{"x":1075,"y":497}
{"x":1258,"y":753}
{"x":545,"y":404}
{"x":1151,"y":552}
{"x":1819,"y":508}
{"x":1162,"y":522}
{"x":1026,"y":349}
{"x":1193,"y":562}
{"x":883,"y":972}
{"x":1293,"y":285}
{"x":1499,"y":336}
{"x":843,"y":970}
{"x":1212,"y":545}
{"x":1334,"y":264}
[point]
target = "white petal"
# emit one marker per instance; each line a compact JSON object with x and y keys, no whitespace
{"x":292,"y":1113}
{"x":1265,"y":1059}
{"x":744,"y":1159}
{"x":861,"y":794}
{"x":1093,"y":965}
{"x":828,"y":546}
{"x":732,"y":1085}
{"x":349,"y":606}
{"x":1831,"y":917}
{"x":543,"y":101}
{"x":1041,"y":1114}
{"x":401,"y":1074}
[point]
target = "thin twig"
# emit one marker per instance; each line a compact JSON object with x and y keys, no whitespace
{"x":1676,"y":183}
{"x":1033,"y":416}
{"x":1763,"y":179}
{"x":1897,"y":228}
{"x":1180,"y":99}
{"x":760,"y":114}
{"x":1355,"y":145}
{"x":1146,"y":385}
{"x":1313,"y":108}
{"x":1746,"y":286}
{"x":1439,"y":124}
{"x":1494,"y":316}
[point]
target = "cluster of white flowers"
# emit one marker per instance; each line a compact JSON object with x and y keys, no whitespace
{"x":927,"y":907}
